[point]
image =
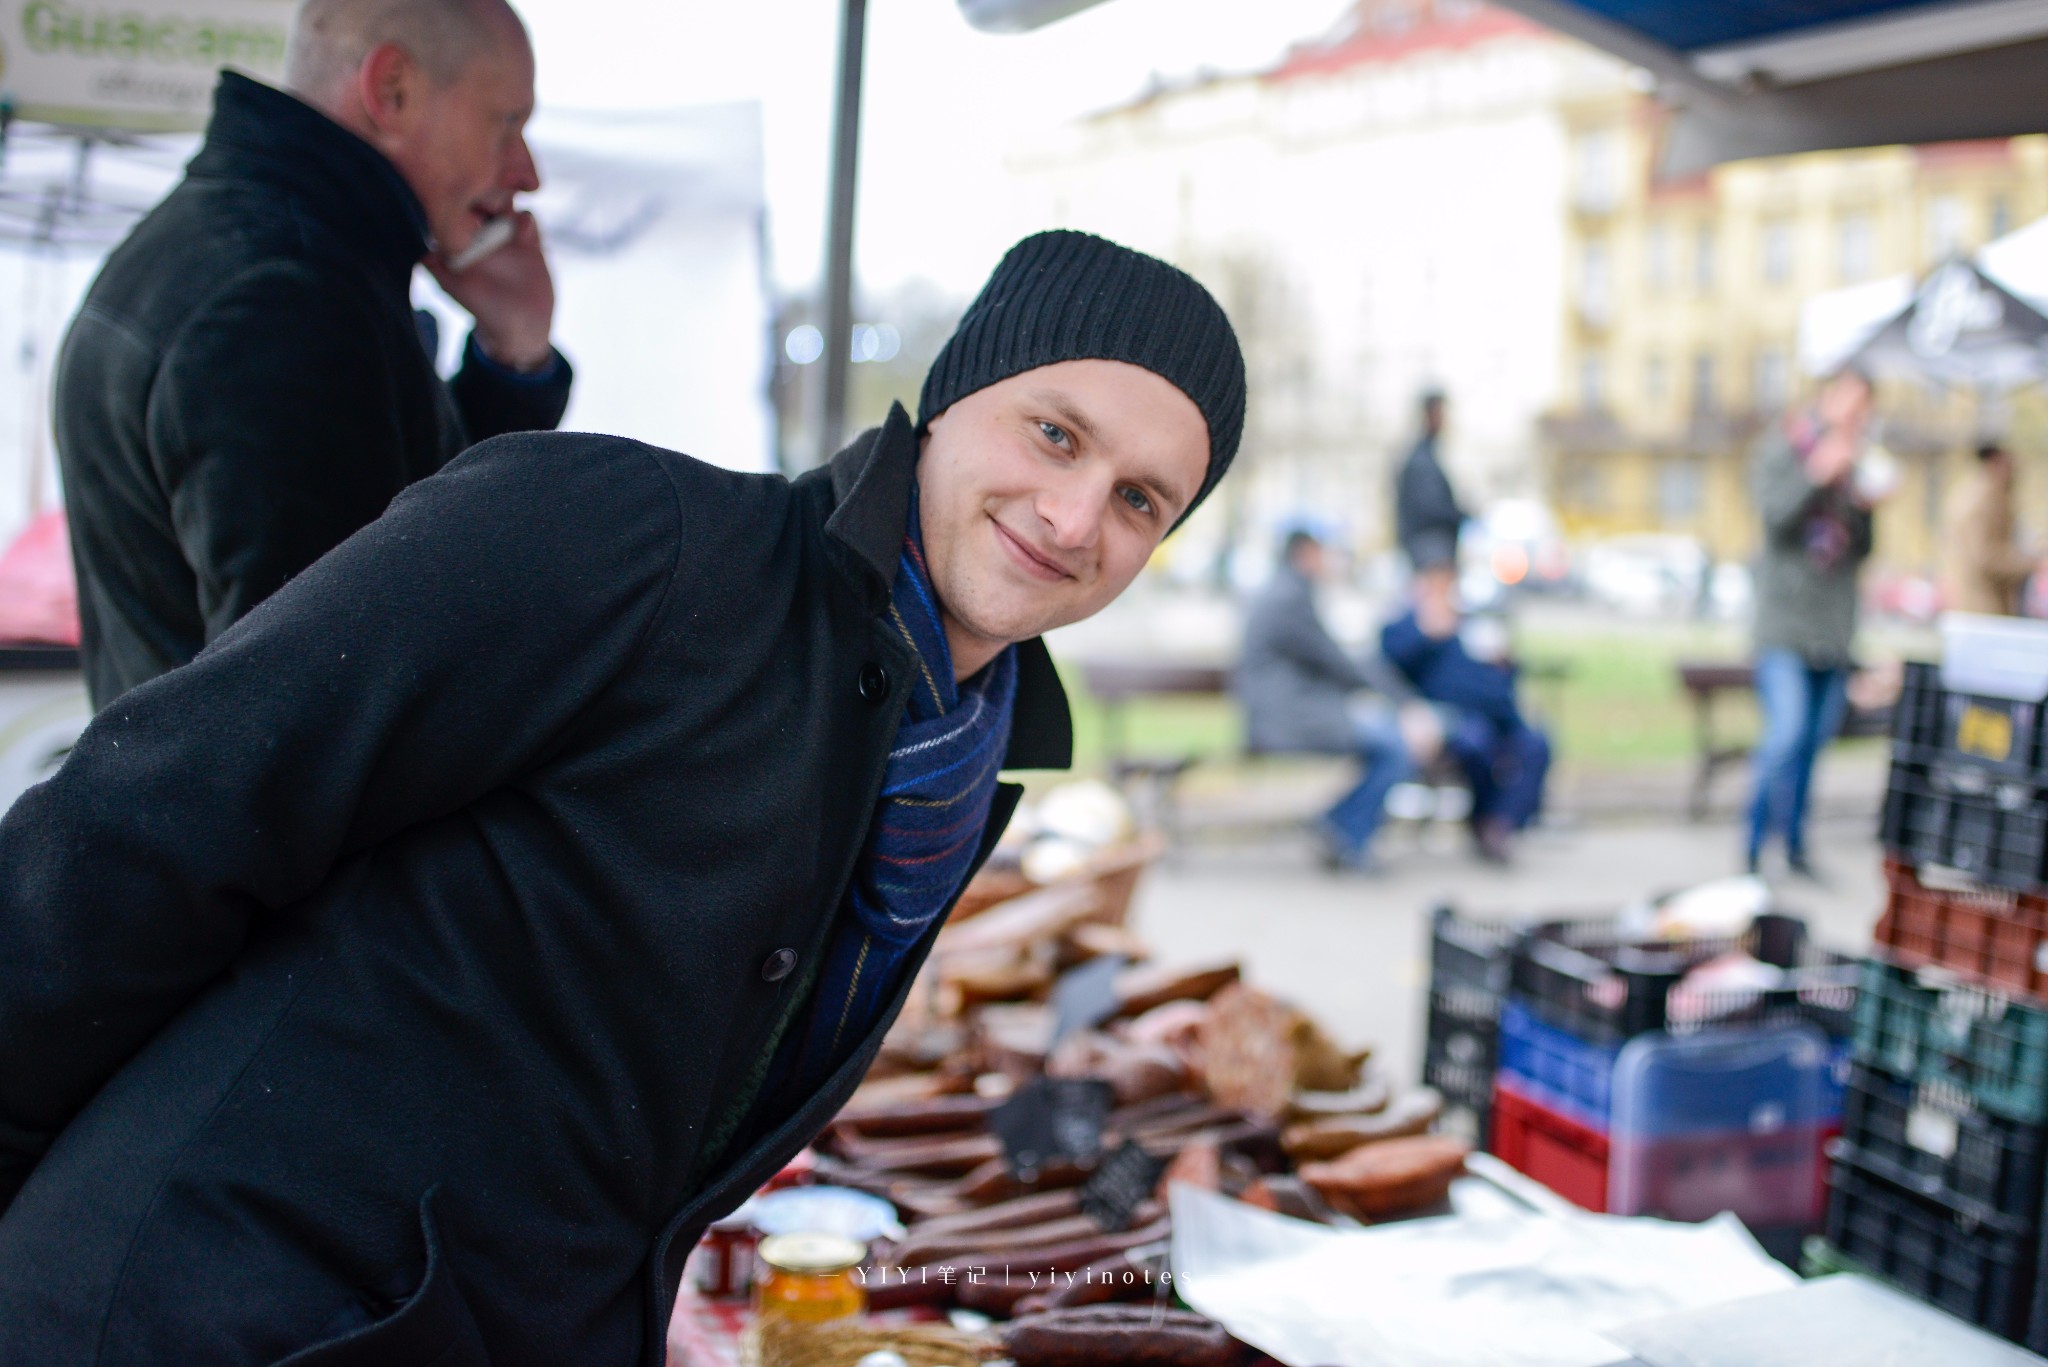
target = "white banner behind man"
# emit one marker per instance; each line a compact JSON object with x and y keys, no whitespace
{"x":135,"y":65}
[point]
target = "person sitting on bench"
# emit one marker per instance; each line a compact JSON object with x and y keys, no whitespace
{"x":1303,"y":693}
{"x":1503,"y":756}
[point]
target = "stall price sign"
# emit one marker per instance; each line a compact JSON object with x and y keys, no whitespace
{"x":144,"y":66}
{"x":1052,"y":1120}
{"x":1119,"y":1184}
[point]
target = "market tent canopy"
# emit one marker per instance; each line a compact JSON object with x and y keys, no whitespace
{"x":1751,"y":79}
{"x":1960,"y":327}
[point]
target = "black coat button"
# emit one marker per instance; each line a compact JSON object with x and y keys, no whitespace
{"x":778,"y":965}
{"x":874,"y":684}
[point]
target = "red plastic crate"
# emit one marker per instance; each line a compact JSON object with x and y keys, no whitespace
{"x":1562,"y":1154}
{"x":1993,"y":936}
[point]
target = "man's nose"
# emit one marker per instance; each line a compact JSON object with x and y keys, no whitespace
{"x":1072,"y":506}
{"x":522,"y":173}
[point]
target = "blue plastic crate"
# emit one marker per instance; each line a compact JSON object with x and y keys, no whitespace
{"x":1556,"y":1067}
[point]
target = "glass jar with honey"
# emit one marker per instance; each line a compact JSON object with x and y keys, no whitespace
{"x":808,"y":1278}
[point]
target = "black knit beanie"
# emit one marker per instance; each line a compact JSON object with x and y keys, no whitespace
{"x":1067,"y":296}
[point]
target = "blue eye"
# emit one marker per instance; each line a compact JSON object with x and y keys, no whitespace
{"x":1136,"y":498}
{"x":1054,"y":433}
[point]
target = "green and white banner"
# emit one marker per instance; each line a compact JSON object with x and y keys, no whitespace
{"x":138,"y":65}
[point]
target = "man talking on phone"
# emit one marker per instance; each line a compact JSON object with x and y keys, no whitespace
{"x":247,"y":384}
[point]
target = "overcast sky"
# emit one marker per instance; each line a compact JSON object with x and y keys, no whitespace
{"x":944,"y":101}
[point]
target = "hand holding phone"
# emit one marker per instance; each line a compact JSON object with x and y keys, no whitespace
{"x":501,"y":276}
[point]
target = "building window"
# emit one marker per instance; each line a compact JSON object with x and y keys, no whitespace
{"x":1704,"y":399}
{"x":1703,"y":258}
{"x":1656,"y":380}
{"x":1777,"y":251}
{"x":1859,"y":248}
{"x":1947,"y":226}
{"x":1681,"y":489}
{"x":1658,"y":256}
{"x":1596,"y":170}
{"x":1596,"y":292}
{"x":1773,"y":380}
{"x":2001,"y":216}
{"x":1593,"y":384}
{"x":1583,"y":488}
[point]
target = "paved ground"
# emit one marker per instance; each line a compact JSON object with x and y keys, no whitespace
{"x":1352,"y":949}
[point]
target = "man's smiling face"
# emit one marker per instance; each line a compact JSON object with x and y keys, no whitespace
{"x":1044,"y":494}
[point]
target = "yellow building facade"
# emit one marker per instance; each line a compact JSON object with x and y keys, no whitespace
{"x":1682,"y":308}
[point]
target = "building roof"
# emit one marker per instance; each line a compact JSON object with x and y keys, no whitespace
{"x":1358,"y":41}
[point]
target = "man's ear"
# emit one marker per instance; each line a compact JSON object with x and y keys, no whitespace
{"x":387,"y":83}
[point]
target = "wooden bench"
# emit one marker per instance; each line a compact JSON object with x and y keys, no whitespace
{"x":1150,"y":781}
{"x":1703,"y":683}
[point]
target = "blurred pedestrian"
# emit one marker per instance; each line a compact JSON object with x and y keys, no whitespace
{"x":1427,"y":514}
{"x":1815,"y":483}
{"x":1505,"y":759}
{"x":413,"y":977}
{"x":1984,"y":570}
{"x":247,"y":383}
{"x":1304,"y":693}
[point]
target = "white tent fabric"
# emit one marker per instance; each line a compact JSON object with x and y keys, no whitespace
{"x":655,"y":224}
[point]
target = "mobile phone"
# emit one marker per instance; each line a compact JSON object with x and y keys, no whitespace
{"x":495,"y":233}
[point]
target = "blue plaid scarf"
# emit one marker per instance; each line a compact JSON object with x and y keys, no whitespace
{"x":936,"y":791}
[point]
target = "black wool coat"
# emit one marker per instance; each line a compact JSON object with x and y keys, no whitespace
{"x":370,"y":985}
{"x":245,"y":384}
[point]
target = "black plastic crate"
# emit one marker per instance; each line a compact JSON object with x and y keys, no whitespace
{"x":1458,"y":1060}
{"x":1930,"y":723}
{"x":1468,"y":976}
{"x":1978,"y":1270}
{"x":1607,"y":992}
{"x":1992,"y":827}
{"x":1933,"y":1138}
{"x":1468,"y":961}
{"x":2037,"y":1318}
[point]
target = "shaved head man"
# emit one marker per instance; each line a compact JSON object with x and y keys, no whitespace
{"x":443,"y":88}
{"x":246,"y":384}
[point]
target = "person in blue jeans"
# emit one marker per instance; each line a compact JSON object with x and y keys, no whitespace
{"x":1304,"y":693}
{"x":1816,"y":512}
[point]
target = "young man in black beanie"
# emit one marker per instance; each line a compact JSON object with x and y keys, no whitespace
{"x":412,"y":977}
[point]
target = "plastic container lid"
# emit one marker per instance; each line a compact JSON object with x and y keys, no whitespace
{"x":811,"y":1253}
{"x":824,"y":1210}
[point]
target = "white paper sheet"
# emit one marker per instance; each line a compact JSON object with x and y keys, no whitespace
{"x":1839,"y":1321}
{"x":1499,"y":1289}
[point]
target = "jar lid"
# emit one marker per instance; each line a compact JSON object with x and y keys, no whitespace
{"x":824,"y":1210}
{"x":811,"y":1252}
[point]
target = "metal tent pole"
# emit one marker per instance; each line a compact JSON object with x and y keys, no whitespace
{"x":839,"y":233}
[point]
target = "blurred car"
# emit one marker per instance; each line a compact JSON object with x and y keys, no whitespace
{"x":1513,"y":547}
{"x":1895,"y":593}
{"x":1648,"y":574}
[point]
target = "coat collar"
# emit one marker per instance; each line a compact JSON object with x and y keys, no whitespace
{"x":871,"y":482}
{"x":351,"y":189}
